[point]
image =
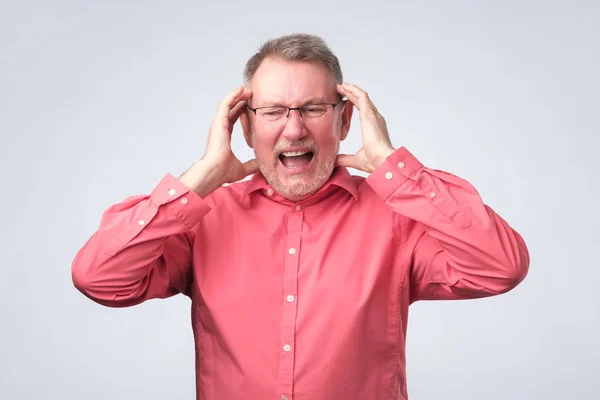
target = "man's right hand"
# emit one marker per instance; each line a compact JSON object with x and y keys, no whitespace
{"x":219,"y":165}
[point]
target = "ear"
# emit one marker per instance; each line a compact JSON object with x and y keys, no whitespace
{"x":346,"y":116}
{"x":246,"y":128}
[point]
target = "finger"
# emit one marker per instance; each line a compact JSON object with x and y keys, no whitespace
{"x":225,"y":106}
{"x":361,"y":97}
{"x":349,"y":95}
{"x":349,"y":87}
{"x":356,"y":97}
{"x":225,"y":103}
{"x":340,"y":89}
{"x":236,"y":111}
{"x":345,"y":160}
{"x":250,"y":167}
{"x":227,"y":113}
{"x":244,"y":120}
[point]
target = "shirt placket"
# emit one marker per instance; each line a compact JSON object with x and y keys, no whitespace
{"x":290,"y":299}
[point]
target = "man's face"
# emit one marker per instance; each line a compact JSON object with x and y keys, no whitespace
{"x":296,"y":154}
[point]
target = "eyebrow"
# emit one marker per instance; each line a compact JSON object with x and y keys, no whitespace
{"x":278,"y":102}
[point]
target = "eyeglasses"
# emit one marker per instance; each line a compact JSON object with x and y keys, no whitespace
{"x":274,"y":113}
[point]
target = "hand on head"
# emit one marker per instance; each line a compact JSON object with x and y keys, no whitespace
{"x":219,"y":165}
{"x":218,"y":150}
{"x":376,"y":143}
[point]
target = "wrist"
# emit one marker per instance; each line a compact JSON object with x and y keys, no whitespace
{"x":382,"y":155}
{"x":202,"y":178}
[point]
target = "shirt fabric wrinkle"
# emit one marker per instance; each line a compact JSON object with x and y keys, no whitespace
{"x":309,"y":302}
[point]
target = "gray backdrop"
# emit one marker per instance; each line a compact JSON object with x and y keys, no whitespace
{"x":99,"y":101}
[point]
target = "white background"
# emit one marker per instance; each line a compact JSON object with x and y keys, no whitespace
{"x":98,"y":100}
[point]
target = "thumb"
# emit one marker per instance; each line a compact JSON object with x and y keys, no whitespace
{"x":345,"y":160}
{"x":250,"y":167}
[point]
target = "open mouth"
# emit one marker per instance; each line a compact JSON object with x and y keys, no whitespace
{"x":296,"y":159}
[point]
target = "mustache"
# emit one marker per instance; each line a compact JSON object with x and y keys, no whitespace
{"x":308,"y":144}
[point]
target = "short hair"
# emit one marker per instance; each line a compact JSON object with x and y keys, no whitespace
{"x":295,"y":47}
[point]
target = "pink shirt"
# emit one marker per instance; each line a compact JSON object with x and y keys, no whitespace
{"x":307,"y":300}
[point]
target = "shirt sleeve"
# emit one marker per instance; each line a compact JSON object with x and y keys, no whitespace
{"x":142,"y":248}
{"x":458,"y":247}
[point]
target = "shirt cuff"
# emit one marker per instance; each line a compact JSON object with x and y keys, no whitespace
{"x":400,"y":166}
{"x":179,"y":200}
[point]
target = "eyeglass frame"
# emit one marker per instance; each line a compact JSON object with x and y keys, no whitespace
{"x":333,"y":106}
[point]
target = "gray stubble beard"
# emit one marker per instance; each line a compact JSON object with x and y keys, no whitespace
{"x":324,"y":170}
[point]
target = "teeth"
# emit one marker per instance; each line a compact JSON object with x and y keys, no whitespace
{"x":294,"y":153}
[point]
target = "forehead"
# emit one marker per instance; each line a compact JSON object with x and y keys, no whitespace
{"x":291,"y":82}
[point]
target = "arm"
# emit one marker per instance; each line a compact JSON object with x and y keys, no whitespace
{"x":459,"y":248}
{"x":142,"y":249}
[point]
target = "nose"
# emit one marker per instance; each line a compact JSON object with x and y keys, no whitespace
{"x":294,"y":128}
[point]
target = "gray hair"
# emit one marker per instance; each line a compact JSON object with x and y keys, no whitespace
{"x":295,"y":47}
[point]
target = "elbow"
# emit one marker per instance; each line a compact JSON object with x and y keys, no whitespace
{"x":86,"y":270}
{"x":510,"y":261}
{"x":100,"y":287}
{"x":82,"y":277}
{"x":85,"y":281}
{"x":514,"y":271}
{"x":515,"y":275}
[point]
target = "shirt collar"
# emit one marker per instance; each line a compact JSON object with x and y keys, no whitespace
{"x":340,"y":178}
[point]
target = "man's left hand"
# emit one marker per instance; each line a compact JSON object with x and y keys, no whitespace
{"x":377,"y":145}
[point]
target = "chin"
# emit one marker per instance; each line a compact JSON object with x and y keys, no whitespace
{"x":297,"y":186}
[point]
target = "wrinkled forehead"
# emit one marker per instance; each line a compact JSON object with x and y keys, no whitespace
{"x":292,"y":83}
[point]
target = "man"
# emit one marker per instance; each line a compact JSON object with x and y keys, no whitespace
{"x":301,"y":277}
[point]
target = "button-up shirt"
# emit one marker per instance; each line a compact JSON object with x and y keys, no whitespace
{"x":304,"y":300}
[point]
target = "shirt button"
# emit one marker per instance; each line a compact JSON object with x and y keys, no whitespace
{"x":290,"y":298}
{"x":141,"y":222}
{"x":184,"y":201}
{"x":287,"y":348}
{"x":292,"y":251}
{"x":401,"y":164}
{"x":433,"y":194}
{"x":270,"y":192}
{"x":172,"y":192}
{"x":298,"y":207}
{"x":388,"y":175}
{"x":284,"y":397}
